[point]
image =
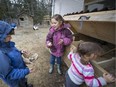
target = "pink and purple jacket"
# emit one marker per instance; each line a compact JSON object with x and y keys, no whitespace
{"x":54,"y":36}
{"x":80,"y":73}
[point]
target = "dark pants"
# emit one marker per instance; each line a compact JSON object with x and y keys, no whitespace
{"x":17,"y":83}
{"x":23,"y":83}
{"x":68,"y":81}
{"x":52,"y":60}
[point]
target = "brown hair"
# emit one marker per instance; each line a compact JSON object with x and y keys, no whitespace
{"x":58,"y":18}
{"x":11,"y":32}
{"x":87,"y":48}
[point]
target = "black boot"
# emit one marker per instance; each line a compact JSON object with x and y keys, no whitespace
{"x":51,"y":69}
{"x":29,"y":85}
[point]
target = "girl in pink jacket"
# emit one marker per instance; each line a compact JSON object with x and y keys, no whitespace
{"x":57,"y":39}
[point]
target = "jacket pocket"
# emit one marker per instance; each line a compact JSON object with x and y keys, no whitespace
{"x":53,"y":49}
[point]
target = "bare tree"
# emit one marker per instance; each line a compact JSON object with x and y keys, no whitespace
{"x":35,"y":8}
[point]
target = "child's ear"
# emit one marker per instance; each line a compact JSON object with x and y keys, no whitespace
{"x":89,"y":56}
{"x":92,"y":55}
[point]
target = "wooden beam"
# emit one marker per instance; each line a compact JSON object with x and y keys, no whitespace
{"x":101,"y":30}
{"x":108,"y":52}
{"x":88,"y":2}
{"x":103,"y":16}
{"x":108,"y":62}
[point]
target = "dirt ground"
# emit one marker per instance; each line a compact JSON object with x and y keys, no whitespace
{"x":34,"y":42}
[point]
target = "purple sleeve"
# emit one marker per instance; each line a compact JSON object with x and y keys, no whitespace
{"x":49,"y":36}
{"x":68,"y":38}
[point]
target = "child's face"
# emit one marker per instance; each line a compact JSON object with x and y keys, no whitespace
{"x":8,"y":38}
{"x":56,"y":24}
{"x":90,"y":57}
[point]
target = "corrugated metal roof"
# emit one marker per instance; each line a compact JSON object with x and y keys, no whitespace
{"x":88,"y":11}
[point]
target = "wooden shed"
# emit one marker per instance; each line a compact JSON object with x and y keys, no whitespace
{"x":25,"y":20}
{"x":96,"y":23}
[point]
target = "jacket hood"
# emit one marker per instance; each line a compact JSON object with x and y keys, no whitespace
{"x":64,"y":25}
{"x":5,"y":28}
{"x":13,"y":25}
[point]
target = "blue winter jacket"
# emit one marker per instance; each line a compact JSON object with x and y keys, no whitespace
{"x":12,"y":66}
{"x":13,"y":25}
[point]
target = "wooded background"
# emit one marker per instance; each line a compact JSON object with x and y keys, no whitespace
{"x":10,"y":9}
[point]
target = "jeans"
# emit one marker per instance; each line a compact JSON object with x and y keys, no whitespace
{"x":52,"y":60}
{"x":68,"y":81}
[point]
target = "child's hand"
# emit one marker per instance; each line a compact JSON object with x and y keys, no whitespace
{"x":25,"y":53}
{"x":49,"y":44}
{"x":27,"y":61}
{"x":109,"y":78}
{"x":31,"y":68}
{"x":73,"y":49}
{"x":61,"y":41}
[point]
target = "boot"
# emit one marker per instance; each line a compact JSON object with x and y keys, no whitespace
{"x":29,"y":85}
{"x":59,"y":69}
{"x":51,"y":68}
{"x":26,"y":84}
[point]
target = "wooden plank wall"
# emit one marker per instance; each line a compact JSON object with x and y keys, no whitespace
{"x":101,"y":30}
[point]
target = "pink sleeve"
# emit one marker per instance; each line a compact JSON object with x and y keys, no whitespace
{"x":90,"y":79}
{"x":70,"y":56}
